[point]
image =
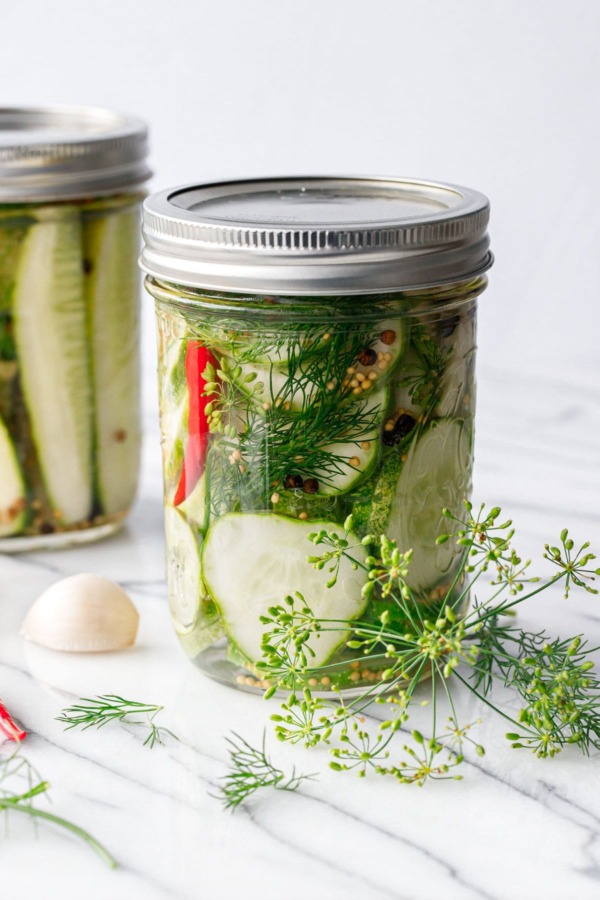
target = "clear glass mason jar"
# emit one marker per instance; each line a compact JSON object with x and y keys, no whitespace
{"x":70,"y":196}
{"x":339,"y":383}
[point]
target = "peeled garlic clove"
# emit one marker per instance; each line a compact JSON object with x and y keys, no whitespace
{"x":82,"y":614}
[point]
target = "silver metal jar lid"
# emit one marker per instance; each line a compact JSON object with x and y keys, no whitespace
{"x":63,"y":152}
{"x":316,"y":235}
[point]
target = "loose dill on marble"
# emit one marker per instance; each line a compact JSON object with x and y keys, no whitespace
{"x":250,"y":770}
{"x":21,"y":786}
{"x":99,"y":711}
{"x":474,"y":647}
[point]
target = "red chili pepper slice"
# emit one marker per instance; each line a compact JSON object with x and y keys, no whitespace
{"x":8,"y":726}
{"x":197,"y":358}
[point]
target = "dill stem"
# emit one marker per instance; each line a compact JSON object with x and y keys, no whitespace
{"x":496,"y":709}
{"x":96,"y":846}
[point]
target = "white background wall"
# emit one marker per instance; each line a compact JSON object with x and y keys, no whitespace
{"x":502,"y":95}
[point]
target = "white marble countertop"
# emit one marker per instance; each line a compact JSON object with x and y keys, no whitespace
{"x":515,"y":827}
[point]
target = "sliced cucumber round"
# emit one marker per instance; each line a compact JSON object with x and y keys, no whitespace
{"x":357,"y":459}
{"x":12,"y":487}
{"x":388,"y":348}
{"x":111,"y":246}
{"x":51,"y":337}
{"x":252,"y":561}
{"x":173,"y":381}
{"x":266,"y":350}
{"x":436,"y":475}
{"x":173,"y":434}
{"x":270,"y":385}
{"x":196,"y":506}
{"x":454,"y":382}
{"x":354,"y":461}
{"x":206,"y":631}
{"x":410,"y":386}
{"x":295,"y":503}
{"x":184,"y":572}
{"x":372,"y":504}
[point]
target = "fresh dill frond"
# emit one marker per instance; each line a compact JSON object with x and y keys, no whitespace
{"x":250,"y":770}
{"x":99,"y":711}
{"x":21,"y":785}
{"x":446,"y":642}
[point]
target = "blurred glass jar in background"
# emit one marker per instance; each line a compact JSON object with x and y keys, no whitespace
{"x":71,"y":182}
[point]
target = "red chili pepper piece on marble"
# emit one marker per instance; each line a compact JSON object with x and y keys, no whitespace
{"x":8,"y":726}
{"x":197,"y":357}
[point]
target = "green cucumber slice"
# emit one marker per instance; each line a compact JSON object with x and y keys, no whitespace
{"x":12,"y":487}
{"x":110,"y":248}
{"x":436,"y":474}
{"x":245,"y":577}
{"x":13,"y":229}
{"x":264,"y":350}
{"x":173,"y":435}
{"x":357,"y":459}
{"x":196,"y":507}
{"x":413,"y":384}
{"x":173,"y":379}
{"x":271,"y":385}
{"x":455,"y":379}
{"x":206,"y":632}
{"x":389,"y":351}
{"x":51,"y":337}
{"x":373,"y":502}
{"x":295,"y":503}
{"x":191,"y":609}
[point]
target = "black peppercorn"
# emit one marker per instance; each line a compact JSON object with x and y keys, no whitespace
{"x":310,"y":486}
{"x":367,"y":357}
{"x":293,"y":481}
{"x":403,"y":425}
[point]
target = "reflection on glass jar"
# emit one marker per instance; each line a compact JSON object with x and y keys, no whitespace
{"x":281,"y":417}
{"x":69,"y":329}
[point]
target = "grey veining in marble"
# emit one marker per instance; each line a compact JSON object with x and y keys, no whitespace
{"x":515,"y":827}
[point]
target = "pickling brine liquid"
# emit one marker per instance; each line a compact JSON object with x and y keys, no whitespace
{"x":281,"y":417}
{"x":69,"y":369}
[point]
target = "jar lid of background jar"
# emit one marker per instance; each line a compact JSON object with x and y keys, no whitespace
{"x":316,"y":235}
{"x":66,"y":152}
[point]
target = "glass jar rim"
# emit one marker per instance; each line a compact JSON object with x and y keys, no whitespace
{"x":316,"y":235}
{"x":65,"y":152}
